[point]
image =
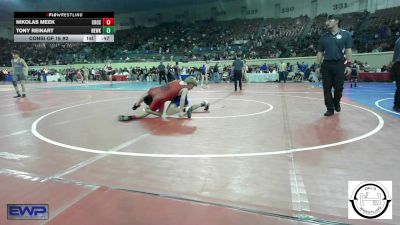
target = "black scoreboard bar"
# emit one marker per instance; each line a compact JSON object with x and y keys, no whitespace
{"x":64,"y":26}
{"x":59,"y":30}
{"x":63,"y":14}
{"x":58,"y":22}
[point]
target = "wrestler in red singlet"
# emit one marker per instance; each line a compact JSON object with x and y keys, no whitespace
{"x":156,"y":97}
{"x":164,"y":93}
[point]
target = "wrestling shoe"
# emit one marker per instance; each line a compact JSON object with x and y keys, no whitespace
{"x":206,"y":105}
{"x":124,"y":118}
{"x":188,"y":111}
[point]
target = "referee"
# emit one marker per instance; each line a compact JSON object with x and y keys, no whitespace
{"x":396,"y":75}
{"x":333,"y":62}
{"x":238,"y":72}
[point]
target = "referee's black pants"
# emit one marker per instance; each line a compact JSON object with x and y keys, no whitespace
{"x":397,"y":95}
{"x":332,"y":77}
{"x":237,"y":76}
{"x":282,"y":76}
{"x":161,"y":76}
{"x":396,"y":77}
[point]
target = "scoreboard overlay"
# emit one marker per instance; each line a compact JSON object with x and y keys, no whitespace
{"x":64,"y":26}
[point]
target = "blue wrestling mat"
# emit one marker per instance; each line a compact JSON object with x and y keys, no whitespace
{"x":377,"y":96}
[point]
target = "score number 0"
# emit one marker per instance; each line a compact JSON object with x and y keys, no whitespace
{"x":108,"y":21}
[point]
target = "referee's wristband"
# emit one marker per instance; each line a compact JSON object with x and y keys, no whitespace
{"x":347,"y":63}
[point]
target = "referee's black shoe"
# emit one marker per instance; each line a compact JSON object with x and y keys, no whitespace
{"x":337,"y":107}
{"x":329,"y":113}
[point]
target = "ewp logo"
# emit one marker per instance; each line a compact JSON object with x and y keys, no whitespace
{"x":27,"y":212}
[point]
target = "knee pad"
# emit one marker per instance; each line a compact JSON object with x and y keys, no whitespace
{"x":14,"y":83}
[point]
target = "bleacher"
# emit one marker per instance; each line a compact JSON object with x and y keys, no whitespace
{"x":284,"y":28}
{"x":384,"y":17}
{"x":215,"y":40}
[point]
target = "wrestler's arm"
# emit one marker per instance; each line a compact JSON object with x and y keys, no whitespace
{"x":148,"y":110}
{"x":12,"y":67}
{"x":161,"y":109}
{"x":24,"y":64}
{"x":140,"y":100}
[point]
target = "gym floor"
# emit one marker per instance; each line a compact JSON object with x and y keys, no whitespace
{"x":265,"y":155}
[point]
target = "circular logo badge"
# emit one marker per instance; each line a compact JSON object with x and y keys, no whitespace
{"x":338,"y":36}
{"x":370,"y":200}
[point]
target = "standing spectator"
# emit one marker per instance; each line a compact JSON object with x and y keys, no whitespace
{"x":335,"y":66}
{"x":237,"y":72}
{"x":147,"y":74}
{"x":354,"y":75}
{"x":176,"y":71}
{"x":169,"y":73}
{"x":109,"y":72}
{"x":39,"y":75}
{"x":93,"y":74}
{"x":85,"y":73}
{"x":71,"y":74}
{"x":220,"y":72}
{"x":216,"y":74}
{"x":45,"y":72}
{"x":79,"y":75}
{"x":204,"y":73}
{"x":282,"y":71}
{"x":161,"y":73}
{"x":245,"y":69}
